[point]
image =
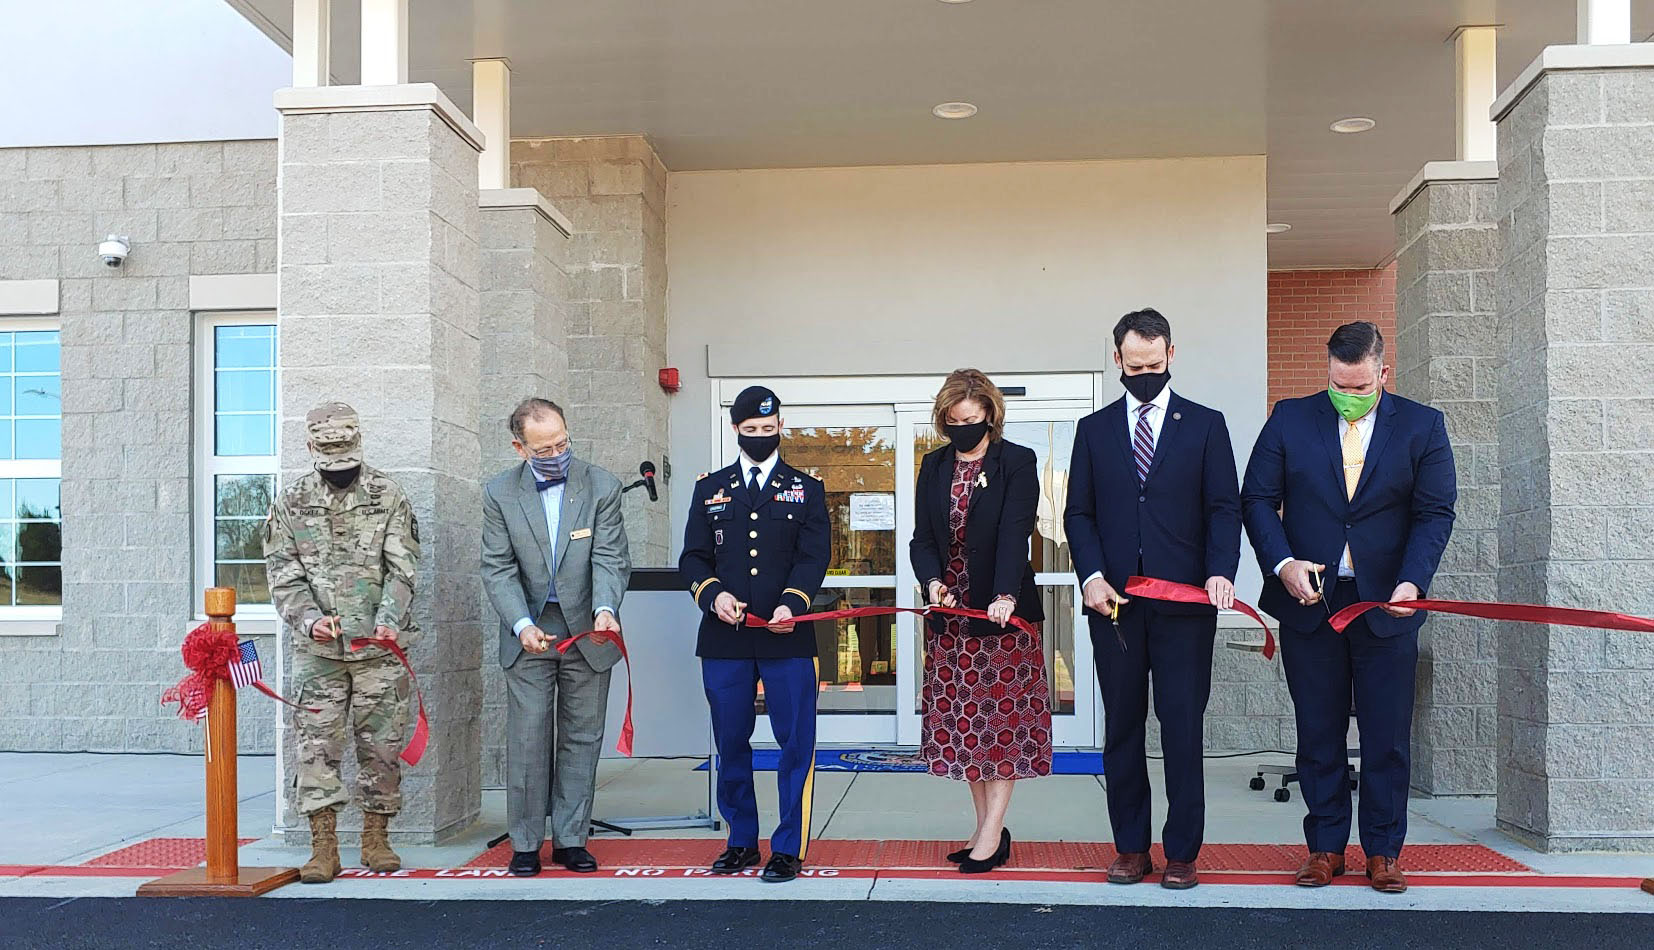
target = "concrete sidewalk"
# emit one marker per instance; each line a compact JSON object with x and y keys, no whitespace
{"x":59,"y":811}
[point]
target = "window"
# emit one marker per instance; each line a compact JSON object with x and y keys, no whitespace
{"x":31,"y":430}
{"x":236,"y":426}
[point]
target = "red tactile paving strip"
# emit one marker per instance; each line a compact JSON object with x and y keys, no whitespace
{"x":1025,"y":855}
{"x":159,"y":853}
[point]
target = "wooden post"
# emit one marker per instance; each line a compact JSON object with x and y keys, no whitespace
{"x":223,"y":876}
{"x":1648,"y":884}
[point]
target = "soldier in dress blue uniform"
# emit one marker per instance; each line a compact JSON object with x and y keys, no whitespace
{"x":758,"y":543}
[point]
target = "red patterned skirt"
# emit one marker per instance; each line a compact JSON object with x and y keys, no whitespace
{"x":987,"y":706}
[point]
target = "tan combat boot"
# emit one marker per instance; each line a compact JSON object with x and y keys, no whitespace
{"x":376,"y":844}
{"x":323,"y":865}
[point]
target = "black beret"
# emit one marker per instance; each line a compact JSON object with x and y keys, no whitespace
{"x":755,"y":402}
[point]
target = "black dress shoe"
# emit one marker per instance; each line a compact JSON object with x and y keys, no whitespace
{"x":1002,"y":854}
{"x":575,"y":859}
{"x":782,"y":868}
{"x":735,"y":860}
{"x":524,"y":863}
{"x":959,"y":856}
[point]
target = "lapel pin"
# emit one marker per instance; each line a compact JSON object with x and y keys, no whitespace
{"x":1177,"y":416}
{"x":982,"y":480}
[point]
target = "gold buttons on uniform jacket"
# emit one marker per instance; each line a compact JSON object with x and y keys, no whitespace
{"x":752,"y":534}
{"x":754,"y":516}
{"x":753,"y":552}
{"x":755,"y":572}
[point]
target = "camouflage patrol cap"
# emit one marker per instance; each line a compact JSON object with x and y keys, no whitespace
{"x":335,"y":435}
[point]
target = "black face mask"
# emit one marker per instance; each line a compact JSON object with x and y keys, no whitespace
{"x":966,"y":437}
{"x":1145,"y":386}
{"x":759,"y":447}
{"x":340,"y":478}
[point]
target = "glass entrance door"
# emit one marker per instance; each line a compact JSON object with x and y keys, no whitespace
{"x":1049,"y":431}
{"x":852,"y":449}
{"x":864,"y":439}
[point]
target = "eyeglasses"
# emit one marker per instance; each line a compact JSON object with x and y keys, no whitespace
{"x":555,"y":449}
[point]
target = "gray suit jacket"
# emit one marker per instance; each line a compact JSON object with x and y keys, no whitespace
{"x":591,"y":557}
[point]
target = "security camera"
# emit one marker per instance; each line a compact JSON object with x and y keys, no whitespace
{"x":113,"y":250}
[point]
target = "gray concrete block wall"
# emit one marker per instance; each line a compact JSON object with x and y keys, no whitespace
{"x":1447,"y":354}
{"x":1576,"y":458}
{"x":524,"y":352}
{"x":128,"y":360}
{"x":613,"y":190}
{"x":379,"y":278}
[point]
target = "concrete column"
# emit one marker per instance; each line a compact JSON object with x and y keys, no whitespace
{"x":614,"y":191}
{"x":312,"y":43}
{"x":1576,"y":528}
{"x":525,"y":247}
{"x":491,"y":107}
{"x":1476,"y":63}
{"x":1447,"y":355}
{"x":384,"y":42}
{"x":1604,"y":22}
{"x":378,"y":279}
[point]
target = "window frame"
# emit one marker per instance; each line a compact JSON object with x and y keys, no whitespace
{"x":253,"y":618}
{"x":35,"y":620}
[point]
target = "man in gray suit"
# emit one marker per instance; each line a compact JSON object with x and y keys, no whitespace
{"x":554,"y":563}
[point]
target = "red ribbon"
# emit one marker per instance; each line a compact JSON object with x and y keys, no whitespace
{"x":264,"y":688}
{"x":624,"y":746}
{"x":422,"y":728}
{"x":1156,"y":589}
{"x":853,"y":612}
{"x":1525,"y":613}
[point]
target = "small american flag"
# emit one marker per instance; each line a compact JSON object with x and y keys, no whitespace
{"x":245,"y":669}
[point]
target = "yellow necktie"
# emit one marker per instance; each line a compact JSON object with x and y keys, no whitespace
{"x":1353,"y":460}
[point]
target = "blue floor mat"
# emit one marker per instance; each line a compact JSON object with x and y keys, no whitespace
{"x":891,"y":760}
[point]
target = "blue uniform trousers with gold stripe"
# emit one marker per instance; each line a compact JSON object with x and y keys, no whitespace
{"x":790,"y":687}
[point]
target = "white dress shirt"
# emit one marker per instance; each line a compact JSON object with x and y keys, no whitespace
{"x":552,"y":501}
{"x":1363,"y":426}
{"x":1157,"y":421}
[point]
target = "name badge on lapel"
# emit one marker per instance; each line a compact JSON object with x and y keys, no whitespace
{"x":579,"y":533}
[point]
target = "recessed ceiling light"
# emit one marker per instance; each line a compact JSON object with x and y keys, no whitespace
{"x":954,"y":110}
{"x":956,"y":1}
{"x":1277,"y":228}
{"x":1353,"y":124}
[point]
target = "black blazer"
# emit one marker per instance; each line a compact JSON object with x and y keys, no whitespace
{"x":1183,"y":525}
{"x":998,"y":524}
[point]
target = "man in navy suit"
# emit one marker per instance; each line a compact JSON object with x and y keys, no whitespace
{"x":1151,"y":491}
{"x":1362,"y":480}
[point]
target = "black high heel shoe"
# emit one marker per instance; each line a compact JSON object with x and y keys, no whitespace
{"x":972,"y":866}
{"x":1004,"y":841}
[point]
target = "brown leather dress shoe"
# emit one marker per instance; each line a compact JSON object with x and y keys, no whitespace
{"x":1129,"y":867}
{"x":1320,"y":869}
{"x":1386,"y":875}
{"x":1179,"y":876}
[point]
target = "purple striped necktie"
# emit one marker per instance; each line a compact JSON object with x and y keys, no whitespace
{"x":1142,"y":443}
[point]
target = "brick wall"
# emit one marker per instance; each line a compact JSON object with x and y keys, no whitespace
{"x":127,"y":335}
{"x":613,"y":190}
{"x":1305,"y":306}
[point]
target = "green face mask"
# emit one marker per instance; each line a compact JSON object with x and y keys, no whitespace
{"x":1351,"y":406}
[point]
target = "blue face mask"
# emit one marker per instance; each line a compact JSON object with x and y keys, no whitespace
{"x":553,"y":468}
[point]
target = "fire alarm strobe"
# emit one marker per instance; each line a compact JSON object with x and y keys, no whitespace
{"x":669,"y":379}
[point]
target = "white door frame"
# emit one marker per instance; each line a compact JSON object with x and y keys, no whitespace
{"x":905,"y":402}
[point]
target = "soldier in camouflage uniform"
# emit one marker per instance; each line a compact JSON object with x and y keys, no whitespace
{"x":340,"y":546}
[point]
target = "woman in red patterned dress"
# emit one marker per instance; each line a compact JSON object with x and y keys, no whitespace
{"x":987,"y":714}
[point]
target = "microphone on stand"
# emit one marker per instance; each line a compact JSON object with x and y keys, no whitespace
{"x":647,"y":482}
{"x":647,"y":470}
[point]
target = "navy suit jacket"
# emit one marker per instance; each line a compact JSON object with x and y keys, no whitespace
{"x":1396,"y":526}
{"x":1183,"y":523}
